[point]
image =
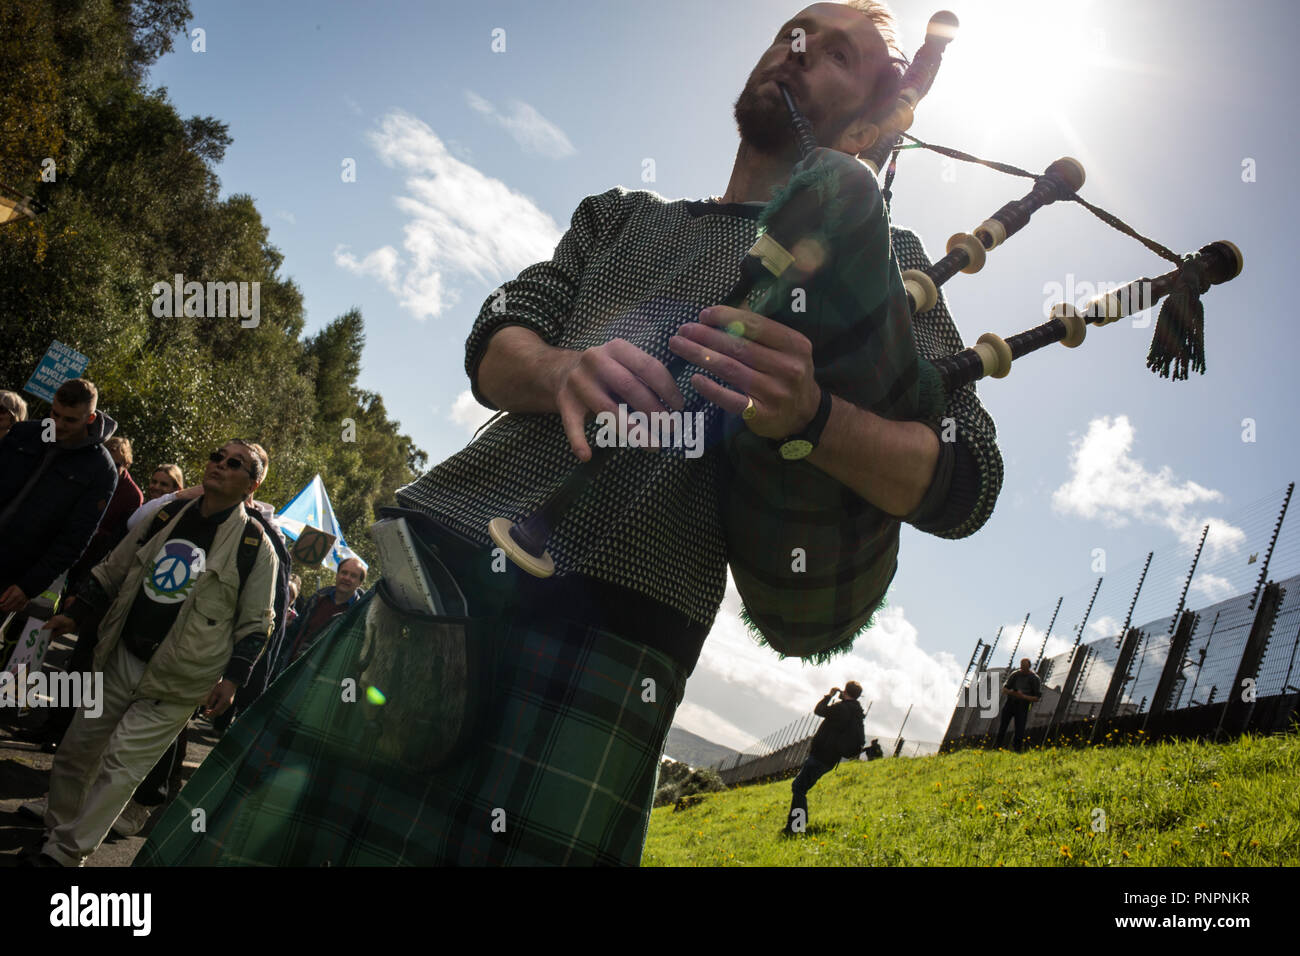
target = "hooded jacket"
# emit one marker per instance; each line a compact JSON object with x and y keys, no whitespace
{"x":127,"y":499}
{"x":51,"y":500}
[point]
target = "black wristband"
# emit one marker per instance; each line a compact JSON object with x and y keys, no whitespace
{"x":813,"y":432}
{"x":800,"y":446}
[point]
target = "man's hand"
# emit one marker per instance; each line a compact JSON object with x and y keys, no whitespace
{"x":834,"y":691}
{"x":762,"y":359}
{"x":193,"y":491}
{"x":59,"y":625}
{"x":222,"y":696}
{"x":13,"y":599}
{"x":595,"y":379}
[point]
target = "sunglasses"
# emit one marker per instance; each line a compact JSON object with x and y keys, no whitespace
{"x":233,"y":463}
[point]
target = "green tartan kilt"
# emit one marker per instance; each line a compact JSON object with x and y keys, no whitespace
{"x":562,"y":772}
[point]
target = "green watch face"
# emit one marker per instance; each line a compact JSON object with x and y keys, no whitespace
{"x":796,"y":448}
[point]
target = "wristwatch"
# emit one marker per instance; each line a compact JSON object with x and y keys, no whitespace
{"x":802,"y":445}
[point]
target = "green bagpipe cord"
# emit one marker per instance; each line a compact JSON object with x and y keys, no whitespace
{"x":811,"y":558}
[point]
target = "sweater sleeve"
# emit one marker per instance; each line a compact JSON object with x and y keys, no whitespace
{"x":541,"y":297}
{"x":968,"y":476}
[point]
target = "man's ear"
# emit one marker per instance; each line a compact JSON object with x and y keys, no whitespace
{"x":858,"y":138}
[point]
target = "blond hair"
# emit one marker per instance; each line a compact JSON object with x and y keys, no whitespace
{"x":15,"y":405}
{"x":173,"y":472}
{"x":123,"y":446}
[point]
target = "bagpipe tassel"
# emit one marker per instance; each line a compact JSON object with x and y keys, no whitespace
{"x":1179,"y":340}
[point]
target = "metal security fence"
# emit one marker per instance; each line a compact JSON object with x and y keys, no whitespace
{"x":782,"y":752}
{"x":1218,"y":655}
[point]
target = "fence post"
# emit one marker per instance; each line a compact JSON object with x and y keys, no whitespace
{"x":1048,"y":633}
{"x":956,"y":721}
{"x":904,"y":723}
{"x":1118,"y":678}
{"x":1015,"y":647}
{"x":1077,"y":654}
{"x":1236,"y":704}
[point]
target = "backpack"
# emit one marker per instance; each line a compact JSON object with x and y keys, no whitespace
{"x":249,"y":544}
{"x":853,"y":739}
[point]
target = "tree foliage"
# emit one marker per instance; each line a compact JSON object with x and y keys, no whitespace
{"x":134,"y":201}
{"x":679,"y":781}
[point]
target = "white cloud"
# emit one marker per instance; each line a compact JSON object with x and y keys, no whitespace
{"x":757,"y":691}
{"x":1102,"y":627}
{"x":1108,"y":484}
{"x":286,"y":216}
{"x":382,"y":264}
{"x":1030,"y":642}
{"x":530,"y":129}
{"x":1057,"y":645}
{"x":462,"y":228}
{"x":468,"y":413}
{"x":1213,"y":587}
{"x":705,"y":723}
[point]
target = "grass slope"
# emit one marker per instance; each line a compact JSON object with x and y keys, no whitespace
{"x":1167,"y":804}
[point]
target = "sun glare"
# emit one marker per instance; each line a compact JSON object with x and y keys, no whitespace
{"x":1021,"y":64}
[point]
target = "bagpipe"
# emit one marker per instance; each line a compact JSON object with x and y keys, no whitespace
{"x":822,"y":264}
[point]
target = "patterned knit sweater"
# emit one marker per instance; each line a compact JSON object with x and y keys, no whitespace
{"x":635,"y":266}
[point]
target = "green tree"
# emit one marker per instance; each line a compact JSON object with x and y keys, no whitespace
{"x":136,"y":201}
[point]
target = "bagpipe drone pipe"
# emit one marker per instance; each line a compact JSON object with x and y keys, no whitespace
{"x":810,"y":557}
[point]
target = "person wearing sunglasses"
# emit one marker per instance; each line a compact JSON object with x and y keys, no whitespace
{"x":181,"y":623}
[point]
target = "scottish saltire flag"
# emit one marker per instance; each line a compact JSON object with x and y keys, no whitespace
{"x":311,"y":508}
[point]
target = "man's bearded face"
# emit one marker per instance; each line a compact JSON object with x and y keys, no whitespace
{"x":828,"y":73}
{"x":763,"y":121}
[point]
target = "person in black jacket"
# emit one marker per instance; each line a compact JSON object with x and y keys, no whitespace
{"x":841,"y":723}
{"x":55,"y":482}
{"x":1021,"y":689}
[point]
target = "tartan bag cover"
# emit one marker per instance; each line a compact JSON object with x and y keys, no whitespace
{"x":561,"y":772}
{"x":811,"y":558}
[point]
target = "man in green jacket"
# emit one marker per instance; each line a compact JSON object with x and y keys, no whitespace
{"x":181,"y":623}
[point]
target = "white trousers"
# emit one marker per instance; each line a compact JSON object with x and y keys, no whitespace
{"x":103,"y":759}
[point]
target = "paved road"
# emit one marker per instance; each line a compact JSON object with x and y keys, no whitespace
{"x":25,"y":774}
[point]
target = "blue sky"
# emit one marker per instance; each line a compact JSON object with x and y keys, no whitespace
{"x":469,"y":163}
